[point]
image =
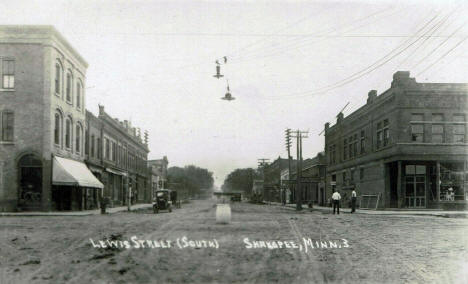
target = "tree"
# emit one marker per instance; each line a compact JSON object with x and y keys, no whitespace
{"x":190,"y":180}
{"x":240,"y":180}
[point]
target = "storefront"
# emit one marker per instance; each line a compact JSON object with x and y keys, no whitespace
{"x":74,"y":187}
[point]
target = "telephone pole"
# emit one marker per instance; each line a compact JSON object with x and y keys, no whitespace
{"x":299,"y":135}
{"x":288,"y":147}
{"x":261,"y":164}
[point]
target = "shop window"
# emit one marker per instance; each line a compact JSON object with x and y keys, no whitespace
{"x":8,"y":72}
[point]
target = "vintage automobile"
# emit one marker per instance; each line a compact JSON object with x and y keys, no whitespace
{"x":162,"y":200}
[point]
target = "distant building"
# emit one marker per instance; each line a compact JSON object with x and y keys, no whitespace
{"x":272,"y":178}
{"x":158,"y":173}
{"x":312,"y":181}
{"x":117,"y":156}
{"x":406,"y":148}
{"x":42,"y":109}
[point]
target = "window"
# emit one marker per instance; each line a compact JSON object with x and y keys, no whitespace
{"x":355,"y":145}
{"x":69,"y":88}
{"x":350,"y":146}
{"x":361,"y":173}
{"x":386,"y":132}
{"x":107,"y":145}
{"x":334,"y":154}
{"x":78,"y":138}
{"x":99,"y":148}
{"x":459,"y":130}
{"x":68,"y":133}
{"x":363,"y":141}
{"x":352,"y":175}
{"x":58,"y":77}
{"x":8,"y":69}
{"x":437,"y":129}
{"x":78,"y":95}
{"x":87,"y":142}
{"x":114,"y":152}
{"x":417,"y":130}
{"x":345,"y":149}
{"x":344,"y":177}
{"x":7,"y":126}
{"x":57,"y":128}
{"x":92,"y":145}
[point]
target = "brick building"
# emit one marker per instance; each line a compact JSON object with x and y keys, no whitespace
{"x":405,"y":148}
{"x":312,"y":181}
{"x":117,"y":156}
{"x":157,"y":170}
{"x":42,"y":109}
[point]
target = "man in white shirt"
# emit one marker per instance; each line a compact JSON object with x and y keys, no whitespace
{"x":336,"y":197}
{"x":353,"y":201}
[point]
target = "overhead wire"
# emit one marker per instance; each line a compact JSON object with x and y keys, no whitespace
{"x":386,"y":58}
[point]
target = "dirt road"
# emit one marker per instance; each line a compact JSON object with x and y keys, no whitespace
{"x":187,"y":246}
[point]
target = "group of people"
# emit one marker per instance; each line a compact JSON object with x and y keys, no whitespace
{"x":336,"y":197}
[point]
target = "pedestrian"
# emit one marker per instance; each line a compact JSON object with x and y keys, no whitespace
{"x":336,"y":202}
{"x":353,"y":201}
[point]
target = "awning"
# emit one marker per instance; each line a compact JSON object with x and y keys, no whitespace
{"x":73,"y":173}
{"x":116,"y":172}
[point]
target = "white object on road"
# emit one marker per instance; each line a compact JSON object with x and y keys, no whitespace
{"x":223,"y":213}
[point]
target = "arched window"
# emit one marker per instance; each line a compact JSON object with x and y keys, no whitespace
{"x":69,"y":87}
{"x":58,"y":77}
{"x":57,"y":128}
{"x":78,"y":95}
{"x":68,"y":133}
{"x":78,"y":138}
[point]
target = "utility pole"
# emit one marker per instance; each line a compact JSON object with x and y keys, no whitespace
{"x":288,"y":147}
{"x":261,"y":164}
{"x":299,"y":135}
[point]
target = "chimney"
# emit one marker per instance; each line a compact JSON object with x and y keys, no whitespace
{"x":339,"y":117}
{"x":371,"y":96}
{"x":402,"y":78}
{"x":101,"y":110}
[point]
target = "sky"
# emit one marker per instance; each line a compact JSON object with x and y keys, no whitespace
{"x":290,"y":64}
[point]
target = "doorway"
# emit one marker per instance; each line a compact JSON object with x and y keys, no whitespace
{"x":30,"y":181}
{"x":415,"y":186}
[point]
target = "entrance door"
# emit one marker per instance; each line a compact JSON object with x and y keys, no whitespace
{"x":30,"y":177}
{"x":415,"y":180}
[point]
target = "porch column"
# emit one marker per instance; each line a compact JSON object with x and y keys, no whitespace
{"x":438,"y":181}
{"x":399,"y":189}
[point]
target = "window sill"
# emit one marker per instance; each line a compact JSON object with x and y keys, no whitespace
{"x":7,"y":90}
{"x":7,"y":143}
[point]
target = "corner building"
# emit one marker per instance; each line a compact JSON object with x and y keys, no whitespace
{"x":406,"y":148}
{"x":42,"y":109}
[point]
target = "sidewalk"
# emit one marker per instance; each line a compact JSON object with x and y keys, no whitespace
{"x":407,"y":212}
{"x":77,"y":213}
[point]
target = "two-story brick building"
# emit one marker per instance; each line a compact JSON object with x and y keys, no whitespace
{"x":116,"y":154}
{"x":406,"y":147}
{"x":42,"y":109}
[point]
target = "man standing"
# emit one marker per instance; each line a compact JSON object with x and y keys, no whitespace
{"x":336,"y":202}
{"x":353,"y":201}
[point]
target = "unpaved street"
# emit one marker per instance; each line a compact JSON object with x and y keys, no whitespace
{"x":388,"y":249}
